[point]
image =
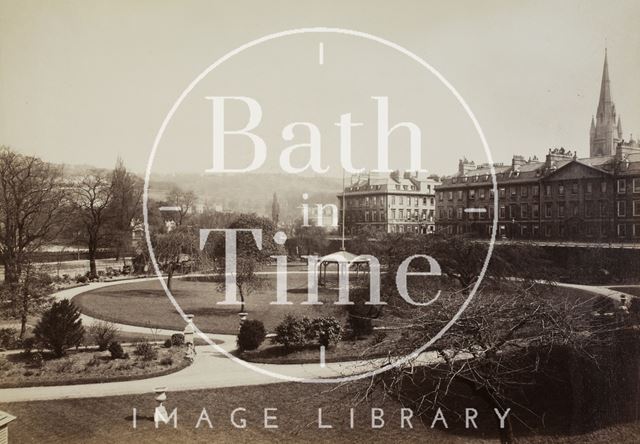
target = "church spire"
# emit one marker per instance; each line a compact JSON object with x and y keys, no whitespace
{"x":605,"y":103}
{"x":608,"y":128}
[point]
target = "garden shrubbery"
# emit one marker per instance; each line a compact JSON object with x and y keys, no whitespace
{"x":60,"y":328}
{"x":295,"y":333}
{"x":146,"y":351}
{"x":8,"y":338}
{"x":116,"y":350}
{"x":103,"y":333}
{"x":326,"y":330}
{"x":251,"y":336}
{"x":177,"y":339}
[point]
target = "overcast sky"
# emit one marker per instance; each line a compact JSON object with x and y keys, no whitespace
{"x":87,"y":81}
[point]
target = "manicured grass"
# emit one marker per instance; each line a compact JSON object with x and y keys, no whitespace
{"x":83,"y":367}
{"x":145,"y":303}
{"x":99,"y":420}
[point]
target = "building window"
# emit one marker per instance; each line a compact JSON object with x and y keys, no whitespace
{"x":424,"y":201}
{"x":401,"y":213}
{"x":449,"y":213}
{"x":524,"y":191}
{"x":561,"y":190}
{"x":393,"y":214}
{"x":589,"y":230}
{"x":622,"y":186}
{"x":603,"y":187}
{"x":636,"y":185}
{"x":547,"y":190}
{"x":547,"y":230}
{"x":560,"y":209}
{"x":450,"y":195}
{"x":472,"y":194}
{"x":481,"y":192}
{"x":502,"y":192}
{"x":547,"y":210}
{"x":503,"y":212}
{"x":514,"y":191}
{"x":589,"y":188}
{"x":459,"y":194}
{"x":636,"y":207}
{"x":366,"y":216}
{"x":574,"y":188}
{"x":603,"y":209}
{"x":636,"y":230}
{"x":622,"y":230}
{"x":575,"y":208}
{"x":588,"y":209}
{"x":622,"y":208}
{"x":535,"y":190}
{"x":513,"y":210}
{"x":535,"y":211}
{"x":400,"y":200}
{"x":459,"y":213}
{"x":524,"y":211}
{"x":440,"y":196}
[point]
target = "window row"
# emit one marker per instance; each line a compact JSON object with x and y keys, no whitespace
{"x":549,"y":189}
{"x":374,"y":201}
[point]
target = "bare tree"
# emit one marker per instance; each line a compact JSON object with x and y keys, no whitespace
{"x":29,"y":296}
{"x":183,"y":201}
{"x":500,"y":342}
{"x":171,"y":247}
{"x":32,"y":208}
{"x":125,"y":206}
{"x":499,"y":345}
{"x":92,"y":196}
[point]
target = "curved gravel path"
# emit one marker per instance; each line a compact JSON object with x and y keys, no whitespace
{"x":211,"y":368}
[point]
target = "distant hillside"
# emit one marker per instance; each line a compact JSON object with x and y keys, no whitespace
{"x":252,"y":192}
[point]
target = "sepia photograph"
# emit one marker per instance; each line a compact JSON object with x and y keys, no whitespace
{"x":319,"y":221}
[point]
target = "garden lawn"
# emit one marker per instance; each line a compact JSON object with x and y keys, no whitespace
{"x":99,"y":420}
{"x":146,"y":304}
{"x":83,"y":367}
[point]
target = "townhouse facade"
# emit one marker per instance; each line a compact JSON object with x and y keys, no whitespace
{"x":389,"y":203}
{"x":562,"y":198}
